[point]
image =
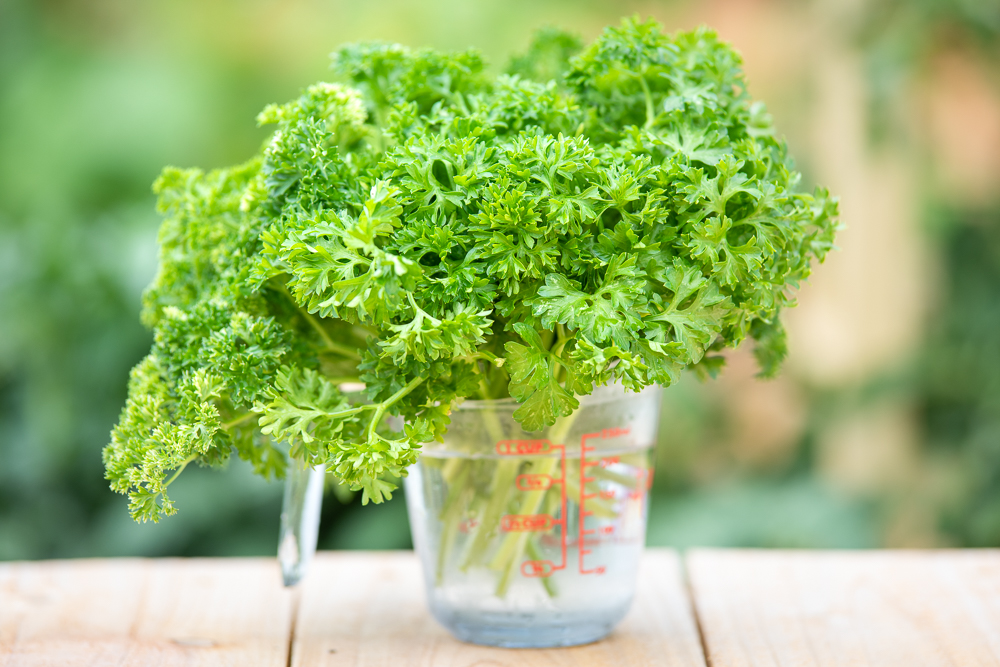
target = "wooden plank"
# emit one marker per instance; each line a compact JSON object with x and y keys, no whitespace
{"x":68,"y":612}
{"x":907,"y":608}
{"x":135,"y":612}
{"x":369,"y":609}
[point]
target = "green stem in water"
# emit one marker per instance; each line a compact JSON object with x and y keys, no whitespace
{"x":503,"y":480}
{"x":535,"y":554}
{"x":507,"y":557}
{"x":500,"y":487}
{"x":451,"y":514}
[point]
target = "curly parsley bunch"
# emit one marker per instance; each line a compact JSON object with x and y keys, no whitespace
{"x":612,"y":214}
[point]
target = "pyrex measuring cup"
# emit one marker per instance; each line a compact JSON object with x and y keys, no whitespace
{"x":533,"y":539}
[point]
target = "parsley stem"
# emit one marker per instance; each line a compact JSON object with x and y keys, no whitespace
{"x":382,"y":407}
{"x":563,"y":339}
{"x":650,"y":115}
{"x":179,"y":470}
{"x":332,"y":346}
{"x":482,"y":355}
{"x":349,"y":411}
{"x":484,"y":388}
{"x":459,"y":101}
{"x":238,"y":420}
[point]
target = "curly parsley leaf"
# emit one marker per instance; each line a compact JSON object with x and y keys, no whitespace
{"x":533,"y":382}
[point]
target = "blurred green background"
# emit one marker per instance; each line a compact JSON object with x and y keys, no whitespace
{"x":884,"y":429}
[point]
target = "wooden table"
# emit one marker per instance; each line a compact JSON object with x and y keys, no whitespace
{"x":715,"y":608}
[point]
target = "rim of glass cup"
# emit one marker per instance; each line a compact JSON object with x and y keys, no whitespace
{"x":603,"y":394}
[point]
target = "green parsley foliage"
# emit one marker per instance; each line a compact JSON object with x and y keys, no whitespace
{"x":614,"y":213}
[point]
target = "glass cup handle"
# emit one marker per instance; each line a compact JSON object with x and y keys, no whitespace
{"x":300,"y":513}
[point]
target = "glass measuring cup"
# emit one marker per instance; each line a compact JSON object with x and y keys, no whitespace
{"x":533,"y":539}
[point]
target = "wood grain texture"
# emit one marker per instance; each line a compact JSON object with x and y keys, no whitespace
{"x":135,"y":612}
{"x":370,"y":609}
{"x":884,"y":608}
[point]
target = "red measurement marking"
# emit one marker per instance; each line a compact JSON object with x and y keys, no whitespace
{"x":563,"y":506}
{"x":584,"y":497}
{"x":529,"y":482}
{"x":644,"y":477}
{"x":607,"y":494}
{"x":467,"y":525}
{"x":537,"y":568}
{"x":523,"y":447}
{"x":594,"y":570}
{"x":524,"y":523}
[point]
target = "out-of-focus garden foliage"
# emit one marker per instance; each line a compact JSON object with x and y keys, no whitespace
{"x":884,"y":429}
{"x":960,"y":378}
{"x":956,"y":388}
